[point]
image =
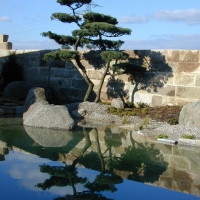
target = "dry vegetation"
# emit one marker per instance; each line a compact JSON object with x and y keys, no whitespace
{"x":168,"y":114}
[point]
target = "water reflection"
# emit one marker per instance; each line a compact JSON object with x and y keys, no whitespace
{"x":116,"y":155}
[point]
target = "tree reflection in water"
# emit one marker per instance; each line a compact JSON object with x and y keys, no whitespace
{"x":143,"y":163}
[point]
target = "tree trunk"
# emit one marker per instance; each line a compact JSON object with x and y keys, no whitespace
{"x":101,"y":83}
{"x":99,"y":151}
{"x":87,"y":79}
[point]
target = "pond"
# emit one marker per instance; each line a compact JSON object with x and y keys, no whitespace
{"x":92,"y":163}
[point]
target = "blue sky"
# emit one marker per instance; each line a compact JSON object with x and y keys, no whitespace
{"x":155,"y":24}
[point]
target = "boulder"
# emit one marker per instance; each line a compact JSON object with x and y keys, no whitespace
{"x":117,"y":103}
{"x":49,"y":137}
{"x":190,"y":115}
{"x":39,"y":113}
{"x":20,"y":89}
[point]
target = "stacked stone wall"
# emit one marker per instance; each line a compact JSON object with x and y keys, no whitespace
{"x":172,"y":77}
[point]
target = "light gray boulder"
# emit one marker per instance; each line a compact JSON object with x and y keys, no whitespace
{"x":39,"y":113}
{"x":49,"y":137}
{"x":117,"y":103}
{"x":190,"y":115}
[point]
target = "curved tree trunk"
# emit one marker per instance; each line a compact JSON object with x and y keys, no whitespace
{"x":99,"y":151}
{"x":87,"y":79}
{"x":101,"y":83}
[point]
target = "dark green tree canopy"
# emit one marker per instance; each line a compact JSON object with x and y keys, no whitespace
{"x":76,"y":3}
{"x":67,"y":18}
{"x":97,"y":17}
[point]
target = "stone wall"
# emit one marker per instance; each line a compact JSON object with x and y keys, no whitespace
{"x":172,"y":77}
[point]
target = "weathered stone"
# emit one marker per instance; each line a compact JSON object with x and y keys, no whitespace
{"x":4,"y":38}
{"x":39,"y":113}
{"x":49,"y":137}
{"x":5,"y":45}
{"x":173,"y":55}
{"x":117,"y":103}
{"x":79,"y":114}
{"x":188,"y":67}
{"x":188,"y":92}
{"x":79,"y":84}
{"x":186,"y":80}
{"x":197,"y":82}
{"x":173,"y":66}
{"x":189,"y":56}
{"x":95,"y":74}
{"x":157,"y":100}
{"x":61,"y":73}
{"x":190,"y":114}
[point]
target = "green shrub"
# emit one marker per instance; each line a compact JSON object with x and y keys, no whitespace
{"x":144,"y":111}
{"x":142,"y":105}
{"x":112,"y":109}
{"x":172,"y":121}
{"x":124,"y":120}
{"x":129,"y":104}
{"x":12,"y":71}
{"x":187,"y":136}
{"x":162,"y":135}
{"x":132,"y":113}
{"x":145,"y":122}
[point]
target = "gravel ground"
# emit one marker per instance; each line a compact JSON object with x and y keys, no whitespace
{"x":97,"y":115}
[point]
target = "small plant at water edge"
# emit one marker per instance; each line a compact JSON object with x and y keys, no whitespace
{"x":187,"y":136}
{"x":145,"y":122}
{"x":124,"y":120}
{"x":162,"y":135}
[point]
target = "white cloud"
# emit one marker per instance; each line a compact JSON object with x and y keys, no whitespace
{"x":188,"y":42}
{"x":5,"y":19}
{"x":132,"y":19}
{"x":190,"y":16}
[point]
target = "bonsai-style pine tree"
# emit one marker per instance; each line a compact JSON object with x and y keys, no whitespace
{"x":92,"y":30}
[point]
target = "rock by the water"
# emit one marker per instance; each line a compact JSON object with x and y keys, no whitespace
{"x":49,"y":137}
{"x":39,"y":113}
{"x":190,"y":115}
{"x":78,"y":114}
{"x":117,"y":103}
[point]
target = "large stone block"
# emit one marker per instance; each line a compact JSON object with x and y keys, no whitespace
{"x":5,"y":45}
{"x":165,"y":90}
{"x":79,"y":84}
{"x":173,"y":66}
{"x":157,"y":100}
{"x":173,"y":55}
{"x":143,"y":96}
{"x":185,"y":80}
{"x":189,"y":67}
{"x":95,"y":74}
{"x":61,"y":73}
{"x":188,"y":92}
{"x":197,"y":82}
{"x":4,"y":38}
{"x":188,"y":56}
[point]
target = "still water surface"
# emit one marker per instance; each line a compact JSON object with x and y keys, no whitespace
{"x":100,"y":163}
